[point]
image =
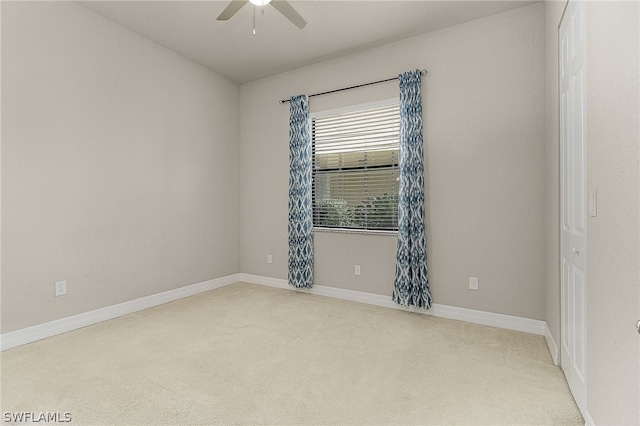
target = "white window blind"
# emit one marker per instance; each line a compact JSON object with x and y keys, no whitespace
{"x":355,"y":168}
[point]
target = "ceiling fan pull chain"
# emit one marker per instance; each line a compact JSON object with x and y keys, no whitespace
{"x":254,"y":20}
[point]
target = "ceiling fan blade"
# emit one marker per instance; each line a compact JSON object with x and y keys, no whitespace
{"x":231,"y":9}
{"x":289,"y":12}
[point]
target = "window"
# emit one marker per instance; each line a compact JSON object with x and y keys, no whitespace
{"x":355,"y":168}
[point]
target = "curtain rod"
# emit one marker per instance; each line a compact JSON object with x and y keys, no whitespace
{"x":422,"y":72}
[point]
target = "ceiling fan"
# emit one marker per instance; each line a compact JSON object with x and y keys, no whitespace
{"x":281,"y":6}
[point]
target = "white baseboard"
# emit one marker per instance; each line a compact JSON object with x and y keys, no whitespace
{"x":63,"y":325}
{"x":451,"y":312}
{"x":551,"y":344}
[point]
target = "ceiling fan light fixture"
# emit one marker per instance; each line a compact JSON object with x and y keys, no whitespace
{"x":281,"y":6}
{"x":260,"y":2}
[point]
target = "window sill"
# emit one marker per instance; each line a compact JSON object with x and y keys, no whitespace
{"x":354,"y":231}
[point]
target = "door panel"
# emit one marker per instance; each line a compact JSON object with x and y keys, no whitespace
{"x":573,"y":177}
{"x":579,"y":293}
{"x":565,"y":157}
{"x":564,"y":297}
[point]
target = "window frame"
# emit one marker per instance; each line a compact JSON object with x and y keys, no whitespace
{"x":341,"y":110}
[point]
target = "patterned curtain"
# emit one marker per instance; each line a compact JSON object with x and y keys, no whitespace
{"x":411,"y":285}
{"x":300,"y":204}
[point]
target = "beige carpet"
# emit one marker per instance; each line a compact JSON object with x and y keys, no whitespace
{"x":247,"y":354}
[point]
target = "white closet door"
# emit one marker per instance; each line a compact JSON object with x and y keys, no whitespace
{"x":573,"y":200}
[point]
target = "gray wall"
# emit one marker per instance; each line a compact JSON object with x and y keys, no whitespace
{"x":119,"y":165}
{"x":613,"y":252}
{"x":485,"y":159}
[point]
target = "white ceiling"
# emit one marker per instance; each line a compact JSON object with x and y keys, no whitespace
{"x":333,"y":28}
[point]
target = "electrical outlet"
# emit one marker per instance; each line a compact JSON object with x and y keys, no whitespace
{"x":269,"y":258}
{"x":357,"y":270}
{"x":473,"y":283}
{"x":60,"y":288}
